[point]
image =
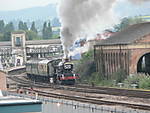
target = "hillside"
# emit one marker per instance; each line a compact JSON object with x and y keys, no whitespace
{"x":35,"y":13}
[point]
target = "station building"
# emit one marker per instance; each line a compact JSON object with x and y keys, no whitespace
{"x":128,"y":50}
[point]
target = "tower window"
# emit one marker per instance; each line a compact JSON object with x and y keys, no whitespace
{"x":18,"y":41}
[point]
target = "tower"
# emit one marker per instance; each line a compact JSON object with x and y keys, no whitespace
{"x":18,"y":40}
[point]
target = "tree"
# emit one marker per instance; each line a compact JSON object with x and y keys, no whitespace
{"x":9,"y":27}
{"x":125,"y":22}
{"x":32,"y":35}
{"x":7,"y":31}
{"x":47,"y":31}
{"x":33,"y":27}
{"x":2,"y":25}
{"x":7,"y":36}
{"x":1,"y":37}
{"x":44,"y":30}
{"x":21,"y":25}
{"x":85,"y":66}
{"x":25,"y":26}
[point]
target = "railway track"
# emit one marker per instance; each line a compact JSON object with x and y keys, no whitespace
{"x":85,"y":88}
{"x":41,"y":88}
{"x":90,"y":99}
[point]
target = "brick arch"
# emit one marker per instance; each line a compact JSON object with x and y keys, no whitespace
{"x":135,"y":57}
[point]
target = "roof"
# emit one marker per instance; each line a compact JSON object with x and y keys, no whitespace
{"x":37,"y":42}
{"x":128,"y":35}
{"x":42,"y":61}
{"x":18,"y":32}
{"x":34,"y":42}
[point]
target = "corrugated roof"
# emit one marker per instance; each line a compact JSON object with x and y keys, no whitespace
{"x":129,"y":35}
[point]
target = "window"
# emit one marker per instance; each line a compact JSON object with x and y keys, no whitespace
{"x":18,"y":41}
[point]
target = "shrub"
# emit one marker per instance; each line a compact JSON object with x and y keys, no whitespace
{"x":145,"y":82}
{"x":85,"y":67}
{"x":119,"y":76}
{"x":142,"y":81}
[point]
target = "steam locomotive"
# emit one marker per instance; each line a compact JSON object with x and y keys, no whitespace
{"x":51,"y":71}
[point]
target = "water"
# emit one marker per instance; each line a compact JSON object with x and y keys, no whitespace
{"x":21,"y":108}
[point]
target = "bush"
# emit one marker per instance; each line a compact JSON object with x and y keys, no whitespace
{"x":142,"y":81}
{"x":95,"y":78}
{"x":119,"y":76}
{"x":145,"y":82}
{"x":85,"y":67}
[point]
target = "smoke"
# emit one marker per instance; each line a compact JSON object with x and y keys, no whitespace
{"x":83,"y":17}
{"x":80,"y":17}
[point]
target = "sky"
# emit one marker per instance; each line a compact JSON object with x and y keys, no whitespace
{"x":6,"y":5}
{"x":122,"y":7}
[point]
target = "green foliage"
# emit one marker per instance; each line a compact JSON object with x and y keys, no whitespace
{"x":22,"y":26}
{"x":33,"y":27}
{"x":9,"y":27}
{"x":7,"y":31}
{"x":86,"y":66}
{"x":108,"y":83}
{"x":47,"y":31}
{"x":32,"y":35}
{"x":2,"y":25}
{"x":95,"y":78}
{"x":119,"y":76}
{"x":7,"y":36}
{"x":1,"y":37}
{"x":25,"y":26}
{"x":88,"y":55}
{"x":44,"y":30}
{"x":142,"y":81}
{"x":125,"y":22}
{"x":55,"y":36}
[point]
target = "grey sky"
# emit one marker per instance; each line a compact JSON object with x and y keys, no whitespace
{"x":123,"y":7}
{"x":21,"y":4}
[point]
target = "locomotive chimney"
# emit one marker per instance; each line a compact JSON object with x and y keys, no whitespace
{"x":66,"y":59}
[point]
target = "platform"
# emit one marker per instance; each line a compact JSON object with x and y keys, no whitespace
{"x":15,"y":104}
